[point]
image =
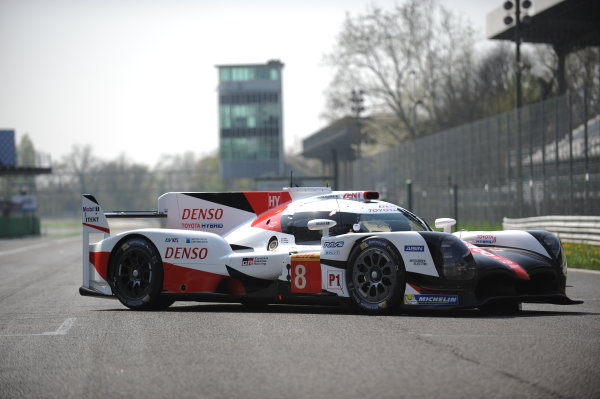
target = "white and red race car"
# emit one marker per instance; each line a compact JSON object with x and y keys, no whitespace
{"x":314,"y":245}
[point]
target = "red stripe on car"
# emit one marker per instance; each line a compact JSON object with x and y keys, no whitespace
{"x":100,"y":262}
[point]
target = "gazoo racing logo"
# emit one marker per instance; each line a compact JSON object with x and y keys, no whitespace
{"x":333,"y":244}
{"x":414,"y":248}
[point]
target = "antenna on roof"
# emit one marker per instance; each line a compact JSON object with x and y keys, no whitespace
{"x":291,"y":177}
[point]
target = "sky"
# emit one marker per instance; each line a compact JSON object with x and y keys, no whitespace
{"x":138,"y":77}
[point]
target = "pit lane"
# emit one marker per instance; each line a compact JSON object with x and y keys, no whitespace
{"x":55,"y":343}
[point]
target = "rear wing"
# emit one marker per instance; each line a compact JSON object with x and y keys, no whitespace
{"x":94,"y":221}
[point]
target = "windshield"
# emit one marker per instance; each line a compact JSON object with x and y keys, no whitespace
{"x":349,"y":222}
{"x":379,"y":222}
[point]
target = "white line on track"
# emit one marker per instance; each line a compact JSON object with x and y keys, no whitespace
{"x":63,"y":329}
{"x":477,"y":335}
{"x":43,"y":244}
{"x":25,"y":249}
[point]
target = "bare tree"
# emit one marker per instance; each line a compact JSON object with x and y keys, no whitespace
{"x":412,"y":61}
{"x":80,"y":163}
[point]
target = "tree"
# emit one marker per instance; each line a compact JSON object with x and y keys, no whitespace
{"x":26,"y":151}
{"x":412,"y":61}
{"x":81,"y":164}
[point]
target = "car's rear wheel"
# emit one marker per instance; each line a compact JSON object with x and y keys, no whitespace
{"x":375,"y":276}
{"x":136,"y":275}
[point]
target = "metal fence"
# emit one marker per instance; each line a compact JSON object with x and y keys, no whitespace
{"x":543,"y":159}
{"x":59,"y":194}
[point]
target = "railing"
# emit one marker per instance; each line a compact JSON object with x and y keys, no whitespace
{"x":573,"y":229}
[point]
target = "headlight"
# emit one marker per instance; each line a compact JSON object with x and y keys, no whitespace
{"x":457,"y":261}
{"x":552,"y":244}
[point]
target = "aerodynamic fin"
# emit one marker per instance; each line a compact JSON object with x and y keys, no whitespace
{"x":93,"y":221}
{"x":92,"y":215}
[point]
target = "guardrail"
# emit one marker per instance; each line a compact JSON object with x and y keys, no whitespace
{"x":573,"y":229}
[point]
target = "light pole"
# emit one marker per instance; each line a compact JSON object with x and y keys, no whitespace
{"x":358,"y":107}
{"x":508,"y":20}
{"x":357,"y":98}
{"x":518,"y":21}
{"x":414,"y":117}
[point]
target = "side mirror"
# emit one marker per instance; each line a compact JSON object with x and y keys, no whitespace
{"x":445,"y":223}
{"x":321,"y":224}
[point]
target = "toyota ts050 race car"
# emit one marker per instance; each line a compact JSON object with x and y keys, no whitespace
{"x":314,"y":245}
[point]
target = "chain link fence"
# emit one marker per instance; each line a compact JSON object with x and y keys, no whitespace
{"x":543,"y":159}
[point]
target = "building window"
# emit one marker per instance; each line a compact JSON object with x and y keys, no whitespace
{"x":249,"y":116}
{"x":238,"y":74}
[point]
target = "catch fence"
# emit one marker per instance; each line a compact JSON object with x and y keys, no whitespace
{"x":543,"y":159}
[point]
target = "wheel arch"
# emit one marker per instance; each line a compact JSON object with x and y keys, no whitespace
{"x":118,"y":245}
{"x":391,"y":246}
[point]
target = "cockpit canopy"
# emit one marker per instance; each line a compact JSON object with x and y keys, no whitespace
{"x":371,"y":220}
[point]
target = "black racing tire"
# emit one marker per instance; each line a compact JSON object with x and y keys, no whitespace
{"x":375,"y":276}
{"x":136,"y":275}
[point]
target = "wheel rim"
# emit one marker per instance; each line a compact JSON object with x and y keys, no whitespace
{"x":134,"y":274}
{"x":374,"y":275}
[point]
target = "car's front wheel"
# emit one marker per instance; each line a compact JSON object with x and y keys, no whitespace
{"x":375,"y":276}
{"x":136,"y":275}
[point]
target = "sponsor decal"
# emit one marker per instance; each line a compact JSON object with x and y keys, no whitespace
{"x":190,"y":240}
{"x":172,"y":239}
{"x":323,"y":223}
{"x":202,"y":214}
{"x":414,"y":248}
{"x":257,"y":261}
{"x":330,"y":252}
{"x":382,"y":210}
{"x":273,"y":200}
{"x":485,"y":239}
{"x":333,"y":244}
{"x":284,"y":240}
{"x":91,"y":209}
{"x":186,"y":253}
{"x":309,"y":256}
{"x":352,"y":195}
{"x":418,"y":262}
{"x":92,"y":219}
{"x":420,"y":299}
{"x":202,"y":225}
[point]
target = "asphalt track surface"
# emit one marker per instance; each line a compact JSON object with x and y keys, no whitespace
{"x":57,"y":344}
